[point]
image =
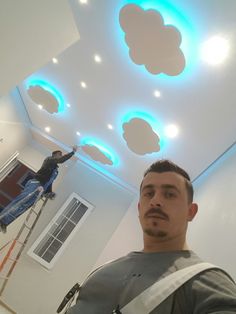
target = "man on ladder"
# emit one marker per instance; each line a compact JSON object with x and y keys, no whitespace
{"x":42,"y":182}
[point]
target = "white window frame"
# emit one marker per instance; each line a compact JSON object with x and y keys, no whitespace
{"x":49,"y":265}
{"x":8,"y":166}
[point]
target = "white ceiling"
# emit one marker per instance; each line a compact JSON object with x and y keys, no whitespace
{"x":201,"y":100}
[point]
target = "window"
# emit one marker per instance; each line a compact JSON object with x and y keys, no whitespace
{"x":57,"y":235}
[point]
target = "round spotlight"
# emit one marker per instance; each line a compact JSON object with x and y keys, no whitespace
{"x":47,"y":129}
{"x":78,"y":133}
{"x":40,"y":107}
{"x":171,"y":131}
{"x":157,"y":93}
{"x":83,"y":84}
{"x":97,"y":59}
{"x":68,"y":105}
{"x":83,"y":1}
{"x":54,"y":60}
{"x":215,"y":50}
{"x":110,"y":126}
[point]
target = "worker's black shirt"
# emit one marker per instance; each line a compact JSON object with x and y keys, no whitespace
{"x":48,"y":166}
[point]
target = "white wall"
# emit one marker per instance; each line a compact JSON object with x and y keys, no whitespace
{"x":41,"y":290}
{"x":213,"y":232}
{"x":14,"y":123}
{"x":127,"y":237}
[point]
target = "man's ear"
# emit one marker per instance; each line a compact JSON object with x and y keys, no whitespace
{"x":193,"y":209}
{"x":138,"y":207}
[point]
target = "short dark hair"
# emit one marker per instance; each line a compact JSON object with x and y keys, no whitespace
{"x":55,"y":152}
{"x":166,"y":165}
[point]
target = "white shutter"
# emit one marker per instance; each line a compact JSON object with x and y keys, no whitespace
{"x":57,"y":235}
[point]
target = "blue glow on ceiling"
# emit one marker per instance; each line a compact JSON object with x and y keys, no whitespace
{"x":107,"y":152}
{"x":49,"y":88}
{"x":172,"y":16}
{"x":156,"y":125}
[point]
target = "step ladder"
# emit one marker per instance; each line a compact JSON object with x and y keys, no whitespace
{"x":19,"y":242}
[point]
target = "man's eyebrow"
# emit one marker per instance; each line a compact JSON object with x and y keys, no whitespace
{"x":170,"y":186}
{"x":148,"y":186}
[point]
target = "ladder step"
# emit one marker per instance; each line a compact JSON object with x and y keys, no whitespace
{"x":28,"y":227}
{"x":22,"y":243}
{"x":12,"y":259}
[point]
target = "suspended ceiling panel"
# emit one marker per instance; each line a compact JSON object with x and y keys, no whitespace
{"x":111,"y":96}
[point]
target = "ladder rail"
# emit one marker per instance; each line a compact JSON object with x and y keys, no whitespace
{"x":15,"y":260}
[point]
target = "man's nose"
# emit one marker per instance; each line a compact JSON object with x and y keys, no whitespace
{"x":156,"y":200}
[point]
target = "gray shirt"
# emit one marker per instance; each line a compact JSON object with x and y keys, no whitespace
{"x":118,"y":282}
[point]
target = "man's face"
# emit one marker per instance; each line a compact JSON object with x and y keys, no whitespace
{"x":164,"y":209}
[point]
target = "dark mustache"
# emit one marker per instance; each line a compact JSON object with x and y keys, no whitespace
{"x":158,"y":211}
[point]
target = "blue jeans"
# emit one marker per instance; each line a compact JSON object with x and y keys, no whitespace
{"x":21,"y":203}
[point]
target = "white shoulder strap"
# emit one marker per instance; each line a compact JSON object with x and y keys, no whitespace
{"x":150,"y":298}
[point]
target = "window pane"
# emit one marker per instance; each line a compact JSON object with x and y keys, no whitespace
{"x":52,"y":250}
{"x":65,"y":232}
{"x":78,"y":214}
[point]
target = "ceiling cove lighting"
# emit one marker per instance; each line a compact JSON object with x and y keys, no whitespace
{"x":171,"y":130}
{"x":51,"y":89}
{"x":172,"y":16}
{"x":215,"y":50}
{"x":107,"y":152}
{"x":97,"y":59}
{"x":157,"y":126}
{"x":83,"y":84}
{"x":47,"y":129}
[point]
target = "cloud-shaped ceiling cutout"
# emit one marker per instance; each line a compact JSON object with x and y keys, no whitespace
{"x":96,"y":154}
{"x":43,"y":97}
{"x":151,"y":43}
{"x":140,"y":137}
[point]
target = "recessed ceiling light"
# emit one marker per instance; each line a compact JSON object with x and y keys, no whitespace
{"x":157,"y":93}
{"x":83,"y":1}
{"x":171,"y":131}
{"x":215,"y":50}
{"x":83,"y":84}
{"x":97,"y":59}
{"x":47,"y":129}
{"x":78,"y":133}
{"x":110,"y":127}
{"x":54,"y":60}
{"x":40,"y":107}
{"x":68,"y":105}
